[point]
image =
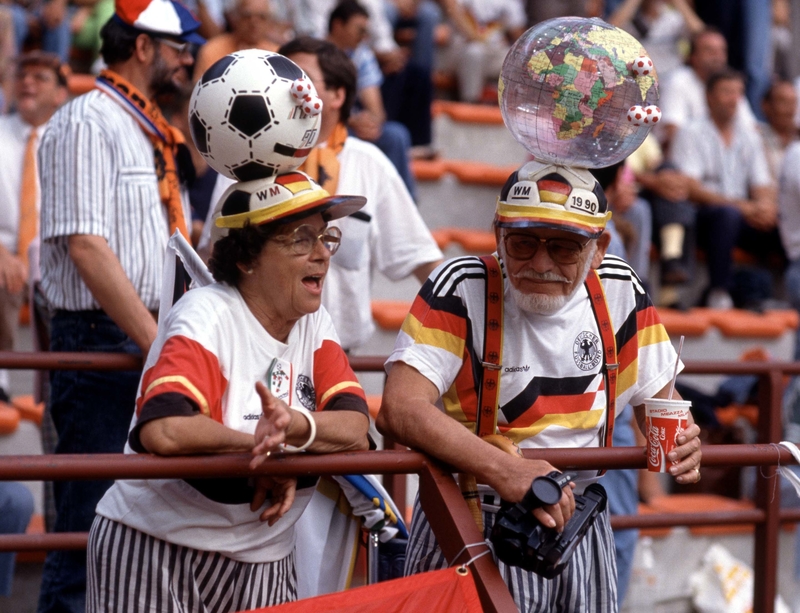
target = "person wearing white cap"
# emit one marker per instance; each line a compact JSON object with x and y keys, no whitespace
{"x":248,"y":364}
{"x":539,"y":342}
{"x":112,"y":192}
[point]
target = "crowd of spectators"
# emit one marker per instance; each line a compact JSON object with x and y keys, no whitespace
{"x":718,"y":175}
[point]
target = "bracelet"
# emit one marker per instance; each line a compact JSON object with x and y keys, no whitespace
{"x":313,"y":435}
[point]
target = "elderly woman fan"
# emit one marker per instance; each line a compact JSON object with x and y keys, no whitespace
{"x":249,"y":363}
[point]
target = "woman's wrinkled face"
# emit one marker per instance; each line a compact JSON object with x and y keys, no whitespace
{"x":290,"y":283}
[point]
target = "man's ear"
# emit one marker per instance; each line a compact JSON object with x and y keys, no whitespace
{"x":602,"y":246}
{"x":337,"y":101}
{"x":498,"y":236}
{"x":144,"y":48}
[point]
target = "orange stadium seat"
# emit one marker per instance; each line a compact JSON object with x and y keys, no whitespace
{"x":80,"y":83}
{"x":428,"y":170}
{"x":468,"y":113}
{"x":9,"y":419}
{"x":374,"y":404}
{"x":479,"y":173}
{"x":704,"y":503}
{"x":389,"y":314}
{"x":28,"y":409}
{"x":442,"y":237}
{"x":739,"y":323}
{"x":474,"y":241}
{"x":686,"y":323}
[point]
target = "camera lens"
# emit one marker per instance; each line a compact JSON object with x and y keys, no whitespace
{"x":546,"y":489}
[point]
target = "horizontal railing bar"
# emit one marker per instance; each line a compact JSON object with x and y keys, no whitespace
{"x":142,"y":466}
{"x":78,"y":540}
{"x":55,"y":360}
{"x":634,"y":457}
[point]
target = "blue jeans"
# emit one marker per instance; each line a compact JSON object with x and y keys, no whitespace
{"x":623,"y":499}
{"x":395,"y":141}
{"x":791,"y":283}
{"x":16,"y":508}
{"x":428,"y":16}
{"x":92,"y":412}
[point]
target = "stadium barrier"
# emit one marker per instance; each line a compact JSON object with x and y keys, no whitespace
{"x":439,"y":494}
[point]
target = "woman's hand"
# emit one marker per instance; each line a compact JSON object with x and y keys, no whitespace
{"x":281,"y":492}
{"x":271,"y":427}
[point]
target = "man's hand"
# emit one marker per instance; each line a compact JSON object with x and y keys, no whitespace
{"x":687,"y":455}
{"x":515,"y":482}
{"x":272,"y":425}
{"x":366,"y":126}
{"x":760,"y":214}
{"x":671,"y":185}
{"x":393,"y":61}
{"x":13,"y":272}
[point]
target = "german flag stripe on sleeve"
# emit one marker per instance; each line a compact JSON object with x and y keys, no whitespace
{"x":186,"y":367}
{"x":333,"y":375}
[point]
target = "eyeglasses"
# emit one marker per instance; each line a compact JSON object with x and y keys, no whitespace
{"x":304,"y":238}
{"x":560,"y":250}
{"x":180,"y":48}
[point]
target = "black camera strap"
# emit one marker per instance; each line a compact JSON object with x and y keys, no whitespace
{"x":489,"y":390}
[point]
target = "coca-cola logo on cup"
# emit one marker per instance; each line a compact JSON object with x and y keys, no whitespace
{"x":655,"y":446}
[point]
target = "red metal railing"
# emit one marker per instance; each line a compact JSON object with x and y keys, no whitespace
{"x":439,"y":494}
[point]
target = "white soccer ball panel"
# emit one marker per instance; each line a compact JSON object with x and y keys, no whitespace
{"x":245,"y":121}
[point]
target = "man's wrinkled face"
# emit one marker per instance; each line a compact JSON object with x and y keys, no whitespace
{"x":544,"y":282}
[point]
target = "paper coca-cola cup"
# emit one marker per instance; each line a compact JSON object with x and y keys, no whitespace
{"x":666,"y":419}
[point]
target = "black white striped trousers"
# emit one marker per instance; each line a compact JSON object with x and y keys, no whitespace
{"x":132,"y":572}
{"x":587,"y":585}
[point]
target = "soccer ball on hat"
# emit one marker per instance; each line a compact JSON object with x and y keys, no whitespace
{"x":254,"y":114}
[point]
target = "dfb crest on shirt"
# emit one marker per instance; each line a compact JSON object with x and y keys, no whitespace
{"x":304,"y":390}
{"x":586,"y":351}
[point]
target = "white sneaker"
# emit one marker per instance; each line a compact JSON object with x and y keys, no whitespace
{"x":719,"y":299}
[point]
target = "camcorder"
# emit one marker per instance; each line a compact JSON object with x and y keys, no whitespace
{"x":520,"y":540}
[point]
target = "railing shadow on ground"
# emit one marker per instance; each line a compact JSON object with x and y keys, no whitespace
{"x":440,"y":497}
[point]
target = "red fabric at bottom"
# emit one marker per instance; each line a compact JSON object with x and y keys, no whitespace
{"x":443,"y":591}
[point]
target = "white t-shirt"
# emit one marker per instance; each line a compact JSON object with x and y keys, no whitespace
{"x":683,"y":98}
{"x":698,"y":151}
{"x":552,"y":389}
{"x":14,"y":133}
{"x":212,"y":350}
{"x":388,"y":234}
{"x":394,"y":239}
{"x":789,"y":202}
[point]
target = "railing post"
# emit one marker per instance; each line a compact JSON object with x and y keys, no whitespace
{"x":452,"y":523}
{"x":768,"y":496}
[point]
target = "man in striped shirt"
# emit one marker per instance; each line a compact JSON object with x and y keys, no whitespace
{"x":565,"y":308}
{"x":112,"y":193}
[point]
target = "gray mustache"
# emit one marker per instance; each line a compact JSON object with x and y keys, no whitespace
{"x":542,"y":276}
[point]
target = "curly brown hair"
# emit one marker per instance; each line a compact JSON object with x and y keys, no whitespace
{"x":240,"y":246}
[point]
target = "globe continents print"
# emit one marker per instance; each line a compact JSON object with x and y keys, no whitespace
{"x":566,"y":87}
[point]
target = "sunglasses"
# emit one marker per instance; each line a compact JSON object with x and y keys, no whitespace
{"x":304,"y":238}
{"x":180,"y":48}
{"x":560,"y":250}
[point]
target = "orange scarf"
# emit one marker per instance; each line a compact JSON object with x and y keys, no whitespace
{"x":165,"y":139}
{"x":322,"y":164}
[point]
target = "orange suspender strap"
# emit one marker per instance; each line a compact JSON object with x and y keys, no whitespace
{"x":597,"y":297}
{"x":489,"y":393}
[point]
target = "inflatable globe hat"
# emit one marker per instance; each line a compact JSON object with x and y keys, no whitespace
{"x":254,"y":114}
{"x":578,"y":92}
